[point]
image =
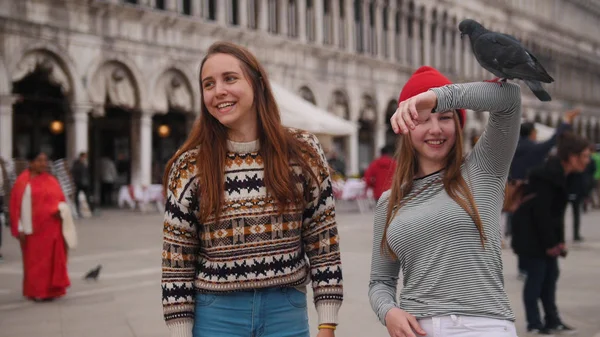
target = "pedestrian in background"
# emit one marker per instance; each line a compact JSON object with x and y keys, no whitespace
{"x":539,"y":232}
{"x":81,"y":177}
{"x":440,"y":223}
{"x":250,"y":215}
{"x":35,"y":220}
{"x":531,"y":154}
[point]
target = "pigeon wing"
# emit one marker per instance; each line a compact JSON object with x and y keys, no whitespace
{"x":512,"y":58}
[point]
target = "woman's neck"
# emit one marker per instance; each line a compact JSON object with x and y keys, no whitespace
{"x":427,"y":167}
{"x":246,"y":132}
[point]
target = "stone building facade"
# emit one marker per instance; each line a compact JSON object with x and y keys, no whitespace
{"x":119,"y":78}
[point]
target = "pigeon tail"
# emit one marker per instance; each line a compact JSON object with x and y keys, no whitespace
{"x":538,"y":90}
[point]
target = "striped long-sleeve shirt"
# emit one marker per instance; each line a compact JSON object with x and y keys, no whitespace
{"x":445,"y":269}
{"x":252,"y":246}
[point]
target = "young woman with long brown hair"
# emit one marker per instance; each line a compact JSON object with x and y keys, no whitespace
{"x":440,"y":222}
{"x":249,"y":217}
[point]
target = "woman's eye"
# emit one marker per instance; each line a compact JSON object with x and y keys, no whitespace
{"x":230,"y":78}
{"x":208,"y":85}
{"x":446,"y":118}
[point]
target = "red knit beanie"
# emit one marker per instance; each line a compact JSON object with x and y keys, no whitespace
{"x":424,"y":79}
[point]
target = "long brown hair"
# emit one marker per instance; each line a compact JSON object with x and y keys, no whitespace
{"x":454,"y":183}
{"x":278,"y":147}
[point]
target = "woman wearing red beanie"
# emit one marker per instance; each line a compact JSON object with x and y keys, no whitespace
{"x":440,"y":222}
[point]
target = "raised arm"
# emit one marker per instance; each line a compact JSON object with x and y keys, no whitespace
{"x":384,"y":269}
{"x":321,"y":241}
{"x":494,"y":151}
{"x":180,"y":247}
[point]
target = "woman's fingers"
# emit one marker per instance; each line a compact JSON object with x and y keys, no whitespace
{"x":394,"y":122}
{"x":414,"y":324}
{"x":398,"y":120}
{"x":413,"y":109}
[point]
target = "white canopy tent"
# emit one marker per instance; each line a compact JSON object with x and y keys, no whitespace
{"x":299,"y":113}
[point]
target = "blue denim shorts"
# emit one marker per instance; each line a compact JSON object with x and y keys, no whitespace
{"x":271,"y":312}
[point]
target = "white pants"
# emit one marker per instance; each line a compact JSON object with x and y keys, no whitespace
{"x":467,"y":326}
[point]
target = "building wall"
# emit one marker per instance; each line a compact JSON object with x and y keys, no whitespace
{"x":355,"y":68}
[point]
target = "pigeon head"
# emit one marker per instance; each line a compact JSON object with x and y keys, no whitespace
{"x":469,"y":27}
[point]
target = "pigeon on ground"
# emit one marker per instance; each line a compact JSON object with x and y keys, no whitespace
{"x":505,"y":57}
{"x":93,"y":274}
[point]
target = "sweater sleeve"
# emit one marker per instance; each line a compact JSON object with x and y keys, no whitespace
{"x":383,"y":282}
{"x":496,"y":147}
{"x":321,"y":241}
{"x":180,"y":247}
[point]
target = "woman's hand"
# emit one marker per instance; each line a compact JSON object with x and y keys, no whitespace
{"x":411,"y":110}
{"x":401,"y":324}
{"x":326,"y":333}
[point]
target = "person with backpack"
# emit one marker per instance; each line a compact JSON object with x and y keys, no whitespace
{"x":539,"y":231}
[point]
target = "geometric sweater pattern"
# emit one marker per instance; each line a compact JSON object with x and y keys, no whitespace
{"x":251,"y":246}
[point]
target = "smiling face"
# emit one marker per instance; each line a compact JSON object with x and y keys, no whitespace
{"x":434,"y":137}
{"x":227,"y":93}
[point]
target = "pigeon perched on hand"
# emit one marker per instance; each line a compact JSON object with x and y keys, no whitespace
{"x":505,"y":57}
{"x":93,"y":274}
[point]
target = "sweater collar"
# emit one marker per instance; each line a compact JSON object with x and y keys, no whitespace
{"x":243,"y":147}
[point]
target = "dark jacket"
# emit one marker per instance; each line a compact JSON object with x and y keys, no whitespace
{"x":80,"y":173}
{"x":539,"y":223}
{"x":530,"y":154}
{"x":379,"y":175}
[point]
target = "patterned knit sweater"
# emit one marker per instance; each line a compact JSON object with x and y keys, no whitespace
{"x":251,"y":246}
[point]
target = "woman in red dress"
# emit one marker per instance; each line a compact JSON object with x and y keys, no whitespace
{"x":35,"y":221}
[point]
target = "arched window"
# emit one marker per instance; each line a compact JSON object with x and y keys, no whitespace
{"x":308,"y":95}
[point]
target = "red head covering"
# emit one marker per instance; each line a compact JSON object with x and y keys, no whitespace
{"x":424,"y":79}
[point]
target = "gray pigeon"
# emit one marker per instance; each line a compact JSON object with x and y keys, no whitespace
{"x":505,"y":57}
{"x":93,"y":274}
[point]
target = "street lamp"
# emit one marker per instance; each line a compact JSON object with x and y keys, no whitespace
{"x":57,"y":127}
{"x":164,"y":131}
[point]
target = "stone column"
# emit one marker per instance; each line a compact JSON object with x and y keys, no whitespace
{"x":366,"y":26}
{"x":335,"y":23}
{"x":467,"y":59}
{"x":318,"y":12}
{"x":391,"y":33}
{"x":427,"y":22}
{"x":379,"y":34}
{"x":6,"y":126}
{"x":350,"y":44}
{"x":263,"y":15}
{"x":404,"y":48}
{"x":283,"y":17}
{"x":380,"y":129}
{"x":438,"y":52}
{"x":447,"y":60}
{"x":352,"y":146}
{"x":171,"y":5}
{"x":146,"y":149}
{"x":197,"y":8}
{"x":416,"y":40}
{"x":301,"y":8}
{"x":77,"y":131}
{"x":458,"y":56}
{"x":141,"y":149}
{"x":222,"y":12}
{"x":243,"y":13}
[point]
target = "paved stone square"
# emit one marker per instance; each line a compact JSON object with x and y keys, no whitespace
{"x":126,"y":300}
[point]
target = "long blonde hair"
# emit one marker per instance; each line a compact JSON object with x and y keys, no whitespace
{"x":454,"y":183}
